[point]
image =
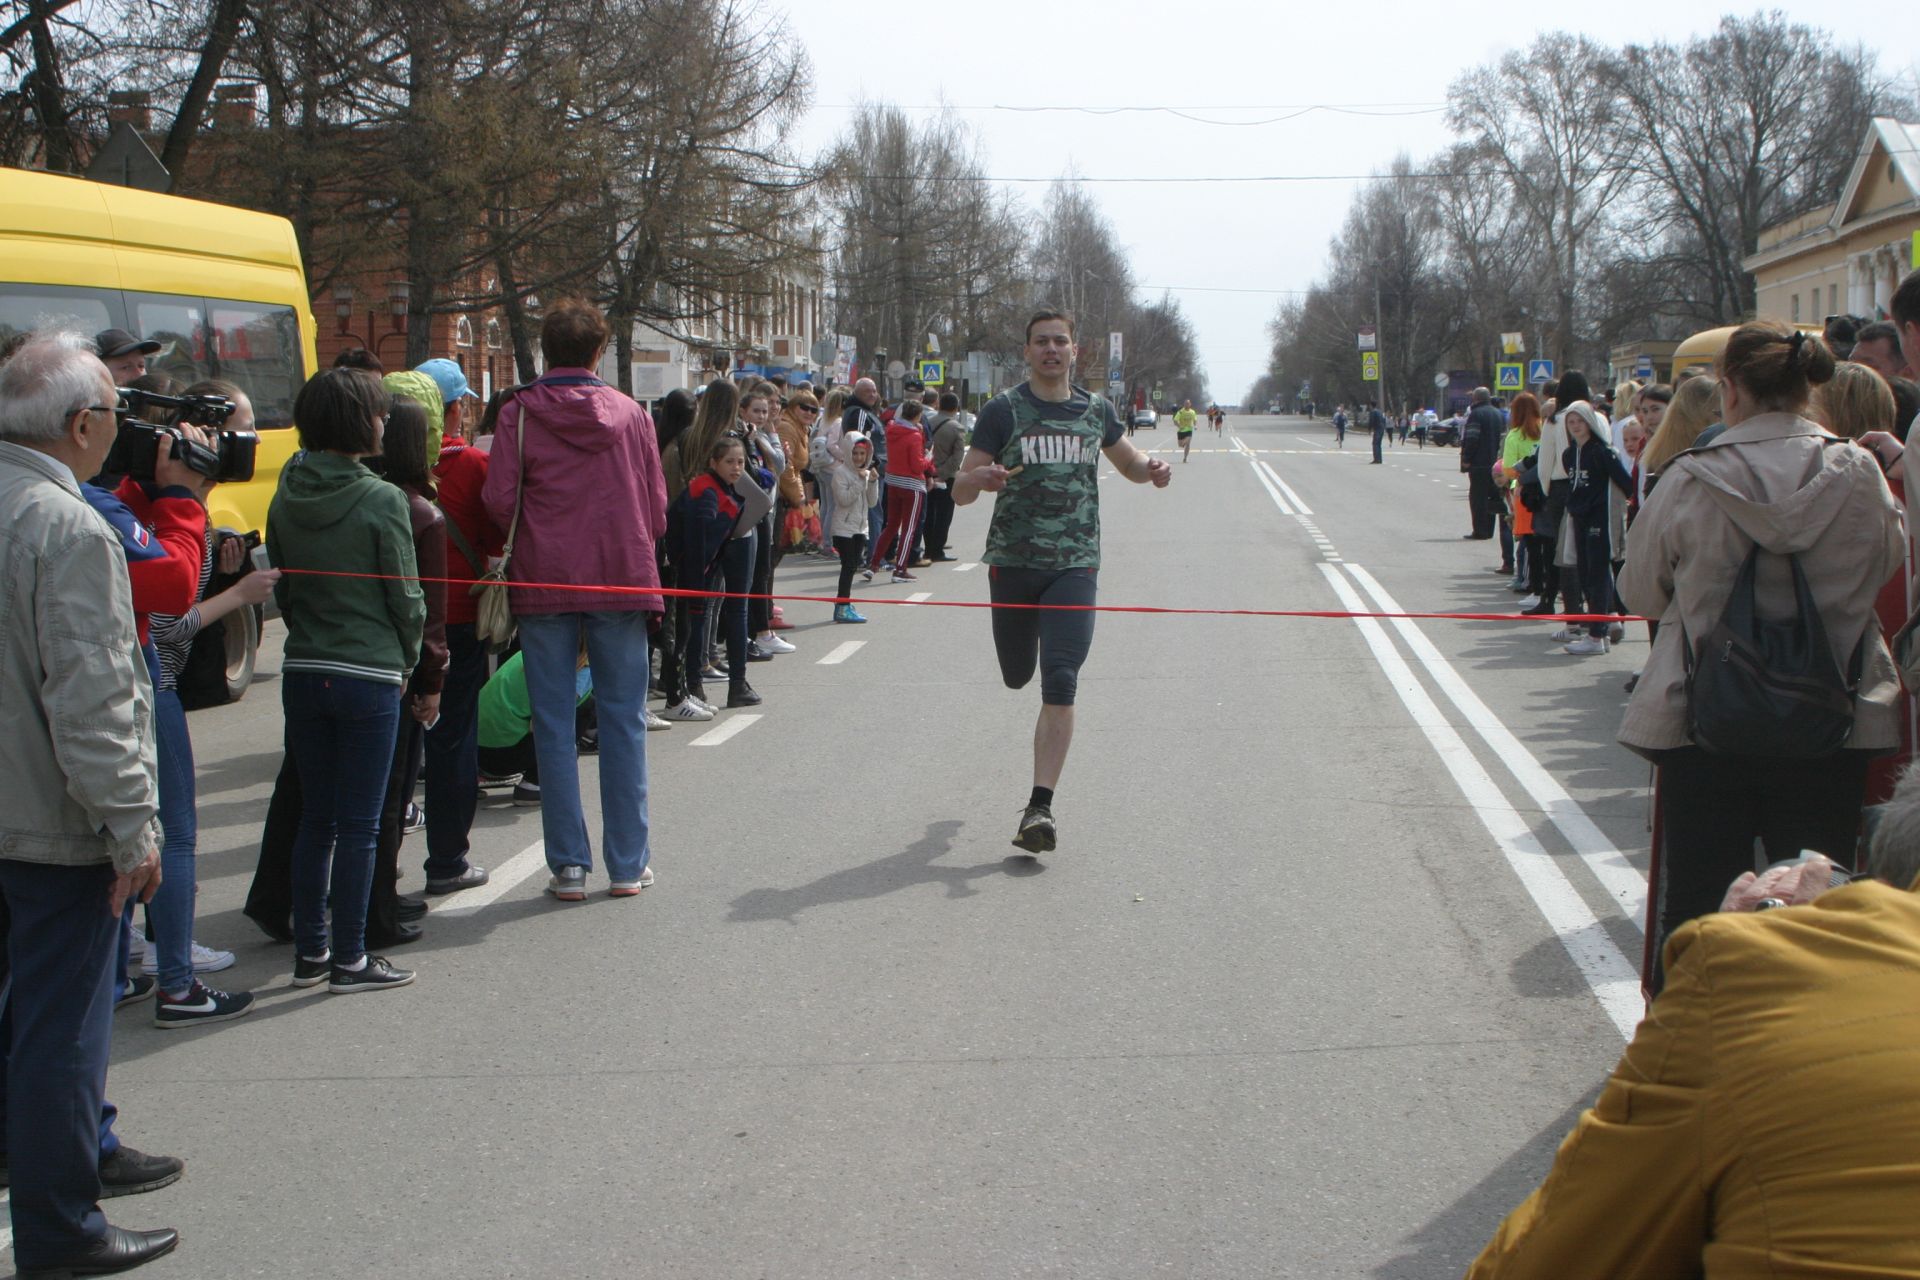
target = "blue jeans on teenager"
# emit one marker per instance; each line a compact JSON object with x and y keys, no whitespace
{"x":170,"y":914}
{"x":341,"y":733}
{"x":617,"y":653}
{"x":453,"y":755}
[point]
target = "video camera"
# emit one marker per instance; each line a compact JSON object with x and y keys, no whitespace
{"x":137,"y":445}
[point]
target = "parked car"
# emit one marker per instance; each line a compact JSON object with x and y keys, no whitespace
{"x":1446,"y":431}
{"x":1145,"y":419}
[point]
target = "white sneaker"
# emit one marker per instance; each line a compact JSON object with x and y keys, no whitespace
{"x":1528,"y":602}
{"x":1616,"y":632}
{"x":774,"y":644}
{"x":1586,"y":645}
{"x":205,"y":959}
{"x":654,"y":721}
{"x":1565,"y":634}
{"x":689,"y":708}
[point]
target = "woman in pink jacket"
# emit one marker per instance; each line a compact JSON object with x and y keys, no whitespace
{"x":577,"y":463}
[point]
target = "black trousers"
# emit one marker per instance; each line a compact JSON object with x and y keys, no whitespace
{"x":1713,"y":809}
{"x":519,"y":758}
{"x":939,"y":520}
{"x":1480,"y":494}
{"x":853,"y":553}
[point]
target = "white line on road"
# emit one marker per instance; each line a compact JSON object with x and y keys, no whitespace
{"x":720,"y":733}
{"x":1272,"y":492}
{"x":1615,"y":982}
{"x":503,"y":880}
{"x":1287,"y":489}
{"x":963,"y":568}
{"x":1610,"y":867}
{"x":919,"y":597}
{"x":841,"y":653}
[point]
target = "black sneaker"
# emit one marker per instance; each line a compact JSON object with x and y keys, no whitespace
{"x":411,"y":910}
{"x":742,"y":695}
{"x":199,"y":1005}
{"x":139,"y":987}
{"x":415,"y":820}
{"x":311,"y":973}
{"x":128,"y":1172}
{"x":526,"y":795}
{"x":472,"y":878}
{"x":1036,"y":833}
{"x":375,"y":975}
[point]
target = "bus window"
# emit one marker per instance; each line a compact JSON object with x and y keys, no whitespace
{"x":257,"y":347}
{"x":179,"y":326}
{"x":26,"y":307}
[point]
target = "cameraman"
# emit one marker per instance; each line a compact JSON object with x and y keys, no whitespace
{"x":183,"y":1000}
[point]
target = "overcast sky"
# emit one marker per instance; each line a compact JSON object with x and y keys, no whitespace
{"x":1240,"y":61}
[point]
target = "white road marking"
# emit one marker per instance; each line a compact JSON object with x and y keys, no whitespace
{"x":841,"y":653}
{"x":1272,"y":492}
{"x":919,"y":597}
{"x":969,"y":565}
{"x":1287,"y":489}
{"x":502,"y":881}
{"x":1610,"y":867}
{"x":1615,"y":982}
{"x":720,"y":733}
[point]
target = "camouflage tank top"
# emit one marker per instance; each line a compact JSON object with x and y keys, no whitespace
{"x":1048,"y":516}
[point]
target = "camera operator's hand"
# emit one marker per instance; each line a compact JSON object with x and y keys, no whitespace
{"x":171,"y":472}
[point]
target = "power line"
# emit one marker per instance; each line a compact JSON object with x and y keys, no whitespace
{"x":1357,"y":109}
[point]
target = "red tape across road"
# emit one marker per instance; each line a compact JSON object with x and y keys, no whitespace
{"x":686,"y":593}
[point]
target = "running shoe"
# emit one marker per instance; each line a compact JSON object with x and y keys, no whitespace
{"x":1616,"y":632}
{"x":568,"y":884}
{"x":1564,"y":634}
{"x":688,"y":709}
{"x":472,"y":878}
{"x":201,"y":1004}
{"x":498,"y":781}
{"x":205,"y":960}
{"x":901,"y":575}
{"x":415,"y":820}
{"x":629,"y":888}
{"x":1528,"y":602}
{"x":775,"y":644}
{"x":1036,"y":833}
{"x":657,"y":721}
{"x":757,"y":651}
{"x":866,"y":575}
{"x":1587,"y":645}
{"x":139,"y":987}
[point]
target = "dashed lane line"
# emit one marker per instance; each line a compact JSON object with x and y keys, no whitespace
{"x":967,"y":567}
{"x":720,"y":733}
{"x":841,"y":653}
{"x":1614,"y":980}
{"x":920,"y":597}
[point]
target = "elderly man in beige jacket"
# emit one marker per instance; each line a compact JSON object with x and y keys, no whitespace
{"x":1775,"y":480}
{"x":77,"y":804}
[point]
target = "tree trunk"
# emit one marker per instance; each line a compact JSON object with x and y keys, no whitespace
{"x":518,"y":331}
{"x":48,"y":92}
{"x":222,"y":31}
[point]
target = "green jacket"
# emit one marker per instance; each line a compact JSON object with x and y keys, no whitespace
{"x":330,"y":513}
{"x":506,"y":712}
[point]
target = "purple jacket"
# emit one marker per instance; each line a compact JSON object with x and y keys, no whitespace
{"x":594,"y":502}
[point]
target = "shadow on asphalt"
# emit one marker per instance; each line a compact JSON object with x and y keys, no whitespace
{"x":1452,"y":1239}
{"x":914,"y":865}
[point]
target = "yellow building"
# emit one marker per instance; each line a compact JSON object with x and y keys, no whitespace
{"x":1848,"y":256}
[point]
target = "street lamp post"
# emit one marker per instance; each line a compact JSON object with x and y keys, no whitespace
{"x":398,"y":294}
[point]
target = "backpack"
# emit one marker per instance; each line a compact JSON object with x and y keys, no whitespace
{"x":1769,"y":689}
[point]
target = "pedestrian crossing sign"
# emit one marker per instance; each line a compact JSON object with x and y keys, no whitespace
{"x":933,"y":372}
{"x":1540,"y":371}
{"x":1506,"y":377}
{"x":1370,"y":366}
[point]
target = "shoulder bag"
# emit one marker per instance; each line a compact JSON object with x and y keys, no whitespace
{"x":493,"y":616}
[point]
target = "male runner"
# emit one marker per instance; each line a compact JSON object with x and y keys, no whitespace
{"x":1038,"y":446}
{"x":1183,"y":420}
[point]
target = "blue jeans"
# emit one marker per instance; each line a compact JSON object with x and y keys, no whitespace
{"x":617,"y":653}
{"x":341,"y":732}
{"x":170,"y":914}
{"x":453,"y":755}
{"x":56,"y":960}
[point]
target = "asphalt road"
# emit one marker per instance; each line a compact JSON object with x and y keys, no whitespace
{"x":1337,"y":941}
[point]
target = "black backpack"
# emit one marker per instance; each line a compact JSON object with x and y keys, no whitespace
{"x":1769,"y":689}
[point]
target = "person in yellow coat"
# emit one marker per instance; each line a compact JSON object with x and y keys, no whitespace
{"x":1763,"y":1121}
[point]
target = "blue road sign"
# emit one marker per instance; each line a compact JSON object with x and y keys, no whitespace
{"x":1540,"y":371}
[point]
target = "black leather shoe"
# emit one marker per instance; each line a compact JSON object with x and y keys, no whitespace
{"x":411,"y":910}
{"x":128,"y":1172}
{"x":1541,"y":609}
{"x":118,"y":1250}
{"x":402,"y":934}
{"x":742,"y":695}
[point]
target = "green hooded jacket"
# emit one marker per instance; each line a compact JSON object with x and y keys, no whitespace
{"x":417,"y":386}
{"x":330,"y":513}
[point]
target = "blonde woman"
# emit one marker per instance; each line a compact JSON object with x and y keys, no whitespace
{"x":1695,"y":407}
{"x":1857,"y":401}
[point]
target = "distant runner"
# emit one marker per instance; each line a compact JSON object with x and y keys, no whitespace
{"x":1038,"y":446}
{"x":1183,"y":420}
